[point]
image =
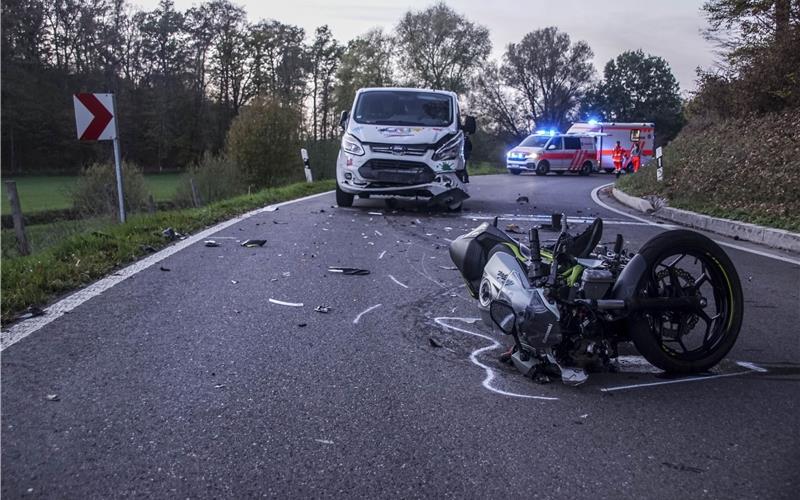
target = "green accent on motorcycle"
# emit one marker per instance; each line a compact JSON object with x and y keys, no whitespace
{"x":730,"y":288}
{"x":516,"y":251}
{"x":573,"y":274}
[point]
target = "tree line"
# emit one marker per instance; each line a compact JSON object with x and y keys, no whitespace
{"x":182,"y":77}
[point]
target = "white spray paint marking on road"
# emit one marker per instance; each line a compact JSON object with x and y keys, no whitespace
{"x":395,"y":280}
{"x":752,"y":366}
{"x":22,"y":329}
{"x":290,"y":304}
{"x":596,"y":199}
{"x":490,"y":375}
{"x":365,"y":311}
{"x":381,"y":255}
{"x":682,"y":380}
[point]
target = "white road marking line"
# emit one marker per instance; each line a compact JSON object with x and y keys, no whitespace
{"x":395,"y":280}
{"x":676,"y":381}
{"x":381,"y":255}
{"x":487,"y":381}
{"x":365,"y":311}
{"x":22,"y":329}
{"x":762,"y":253}
{"x":282,"y":303}
{"x":546,"y":218}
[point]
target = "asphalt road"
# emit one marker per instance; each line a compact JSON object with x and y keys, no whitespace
{"x":191,"y":383}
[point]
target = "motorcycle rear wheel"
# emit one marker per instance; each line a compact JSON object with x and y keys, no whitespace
{"x":682,"y":263}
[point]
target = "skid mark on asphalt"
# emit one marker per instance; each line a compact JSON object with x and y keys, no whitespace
{"x":444,"y":322}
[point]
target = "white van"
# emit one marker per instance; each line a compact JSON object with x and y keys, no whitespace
{"x":403,"y":142}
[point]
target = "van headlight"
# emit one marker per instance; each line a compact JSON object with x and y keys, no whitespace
{"x":352,"y":145}
{"x":450,"y":150}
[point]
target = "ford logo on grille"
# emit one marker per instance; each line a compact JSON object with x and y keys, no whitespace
{"x":399,"y":150}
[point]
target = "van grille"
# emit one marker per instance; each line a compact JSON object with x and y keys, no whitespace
{"x":400,"y":149}
{"x":396,"y":172}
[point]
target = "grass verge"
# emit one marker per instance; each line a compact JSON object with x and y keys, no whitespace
{"x":82,"y":258}
{"x":644,"y":183}
{"x":485,"y":168}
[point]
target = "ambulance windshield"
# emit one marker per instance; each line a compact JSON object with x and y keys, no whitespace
{"x":535,"y":141}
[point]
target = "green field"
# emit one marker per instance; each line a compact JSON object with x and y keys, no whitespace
{"x":37,"y":193}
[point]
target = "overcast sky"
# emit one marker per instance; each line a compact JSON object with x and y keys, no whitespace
{"x":669,"y":29}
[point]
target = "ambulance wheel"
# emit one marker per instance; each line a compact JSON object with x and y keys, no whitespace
{"x":586,"y":169}
{"x":542,"y":168}
{"x":514,"y":171}
{"x":343,"y":199}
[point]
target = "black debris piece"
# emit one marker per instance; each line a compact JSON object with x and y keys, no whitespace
{"x":32,"y":312}
{"x":52,"y":397}
{"x":169,"y":234}
{"x":434,"y":343}
{"x":302,"y":325}
{"x":166,"y":269}
{"x":147,"y":249}
{"x":513,"y":228}
{"x":253,"y":243}
{"x":351,"y":271}
{"x":278,"y":222}
{"x":211,"y":243}
{"x":323,"y":309}
{"x":523,"y":199}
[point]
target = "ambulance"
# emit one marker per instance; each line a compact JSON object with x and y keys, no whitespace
{"x":548,"y":151}
{"x":606,"y":135}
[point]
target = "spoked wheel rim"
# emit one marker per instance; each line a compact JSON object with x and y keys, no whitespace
{"x":690,"y":335}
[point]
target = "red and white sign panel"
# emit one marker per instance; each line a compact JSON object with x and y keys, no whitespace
{"x":94,"y":117}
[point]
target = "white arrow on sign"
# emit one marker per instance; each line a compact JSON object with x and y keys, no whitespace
{"x":94,"y":117}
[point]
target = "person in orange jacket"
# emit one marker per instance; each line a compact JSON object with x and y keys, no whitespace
{"x":636,"y":156}
{"x":616,"y":158}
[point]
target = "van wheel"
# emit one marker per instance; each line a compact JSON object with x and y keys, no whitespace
{"x":586,"y":169}
{"x":343,"y":199}
{"x":542,"y":168}
{"x":514,"y":171}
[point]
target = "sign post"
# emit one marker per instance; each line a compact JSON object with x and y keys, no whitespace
{"x":306,"y":165}
{"x":660,"y":160}
{"x":95,"y":120}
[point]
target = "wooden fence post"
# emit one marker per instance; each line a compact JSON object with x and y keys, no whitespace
{"x":195,"y":195}
{"x":19,"y":222}
{"x":151,"y":204}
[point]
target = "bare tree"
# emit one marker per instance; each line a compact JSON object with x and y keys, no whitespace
{"x":440,"y":48}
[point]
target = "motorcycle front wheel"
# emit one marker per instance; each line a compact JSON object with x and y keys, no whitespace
{"x":685,"y":263}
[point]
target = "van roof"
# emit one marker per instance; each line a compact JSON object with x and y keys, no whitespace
{"x":406,"y":89}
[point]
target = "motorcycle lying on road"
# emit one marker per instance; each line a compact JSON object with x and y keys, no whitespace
{"x":569,"y":304}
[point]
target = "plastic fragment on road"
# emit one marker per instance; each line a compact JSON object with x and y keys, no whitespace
{"x":302,"y":325}
{"x":52,"y":397}
{"x":234,"y":282}
{"x":375,"y":213}
{"x":323,"y":309}
{"x":434,"y":343}
{"x":513,"y":228}
{"x":165,"y":269}
{"x":171,"y":234}
{"x":350,"y":271}
{"x":323,"y":441}
{"x":282,"y":303}
{"x":210,"y":243}
{"x":523,"y":199}
{"x":449,"y":268}
{"x":253,"y":243}
{"x":277,"y":222}
{"x":271,"y":208}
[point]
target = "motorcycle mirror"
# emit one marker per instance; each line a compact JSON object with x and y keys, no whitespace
{"x":503,"y":316}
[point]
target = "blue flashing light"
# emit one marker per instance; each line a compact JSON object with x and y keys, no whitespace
{"x":541,"y":132}
{"x":552,"y":132}
{"x":592,"y":121}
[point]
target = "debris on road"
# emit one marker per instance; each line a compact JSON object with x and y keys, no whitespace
{"x":523,"y":199}
{"x":513,"y":228}
{"x":375,"y":213}
{"x":253,"y":243}
{"x":210,"y":243}
{"x":323,"y":309}
{"x":398,"y":282}
{"x":147,"y":249}
{"x":234,"y":282}
{"x":219,"y":386}
{"x":286,"y":274}
{"x":171,"y":235}
{"x":31,"y":312}
{"x":449,"y":268}
{"x":351,"y":271}
{"x":165,"y":269}
{"x":52,"y":397}
{"x":271,"y":208}
{"x":323,"y":441}
{"x":381,"y":255}
{"x":302,"y":325}
{"x":290,"y":304}
{"x":278,"y":222}
{"x":434,"y":343}
{"x":378,"y":233}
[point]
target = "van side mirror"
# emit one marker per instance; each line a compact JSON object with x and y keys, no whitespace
{"x":343,"y":119}
{"x":470,"y":126}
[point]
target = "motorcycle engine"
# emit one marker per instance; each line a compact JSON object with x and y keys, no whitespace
{"x":595,"y":283}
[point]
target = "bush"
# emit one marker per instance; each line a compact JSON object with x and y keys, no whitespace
{"x":264,"y":143}
{"x":95,"y":193}
{"x":215,"y":178}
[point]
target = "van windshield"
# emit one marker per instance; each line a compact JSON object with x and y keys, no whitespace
{"x":386,"y":107}
{"x":535,"y":141}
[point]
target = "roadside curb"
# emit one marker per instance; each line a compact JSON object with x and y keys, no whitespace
{"x":775,"y":238}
